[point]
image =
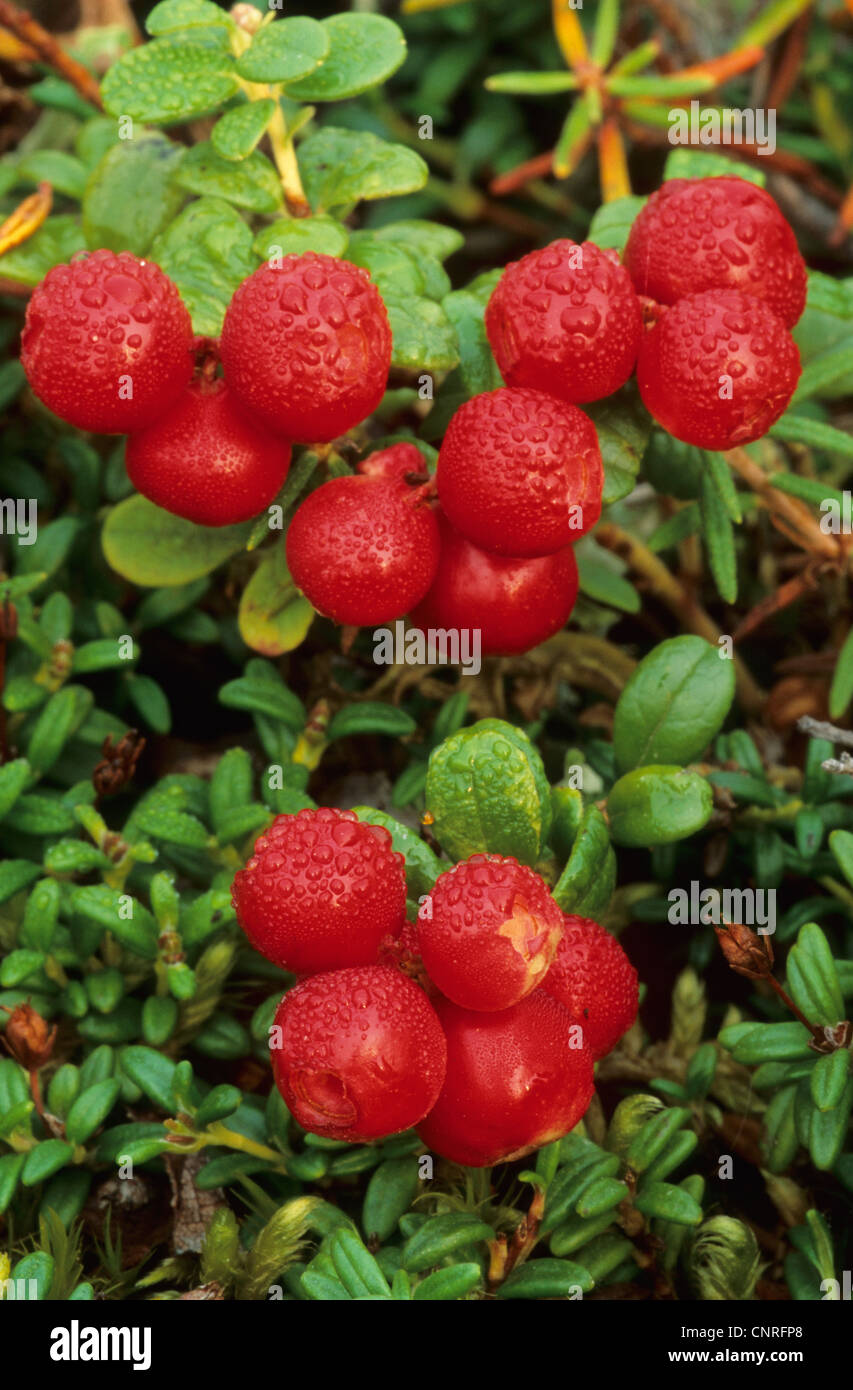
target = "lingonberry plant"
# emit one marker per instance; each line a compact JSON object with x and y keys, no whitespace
{"x":426,"y":853}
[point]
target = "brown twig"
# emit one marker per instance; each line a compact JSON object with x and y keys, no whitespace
{"x":783,"y":597}
{"x":806,"y":529}
{"x":30,"y":32}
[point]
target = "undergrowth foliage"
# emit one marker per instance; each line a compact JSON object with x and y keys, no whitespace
{"x":143,"y":1149}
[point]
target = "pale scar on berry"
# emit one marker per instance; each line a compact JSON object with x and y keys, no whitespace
{"x":528,"y":938}
{"x":324,"y":1095}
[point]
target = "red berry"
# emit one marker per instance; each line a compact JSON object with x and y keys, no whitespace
{"x":320,"y":891}
{"x":308,"y":346}
{"x":595,"y":982}
{"x":714,"y":234}
{"x":106,"y":327}
{"x":565,"y":320}
{"x":519,"y":472}
{"x":489,"y":932}
{"x":206,"y":460}
{"x":398,"y":463}
{"x":363,"y":550}
{"x":515,"y":1080}
{"x":361,"y":1053}
{"x":515,"y":604}
{"x":717,"y":369}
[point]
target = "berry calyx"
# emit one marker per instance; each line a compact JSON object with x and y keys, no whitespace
{"x":489,"y":932}
{"x":307,"y":345}
{"x":595,"y":982}
{"x":363,"y":550}
{"x":360,"y":1053}
{"x":718,"y":369}
{"x":565,"y":320}
{"x":719,"y":233}
{"x":206,"y":460}
{"x":519,"y":472}
{"x":515,"y":1080}
{"x":514,"y":604}
{"x":320,"y":891}
{"x":107,"y":342}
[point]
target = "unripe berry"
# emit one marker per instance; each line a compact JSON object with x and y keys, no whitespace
{"x":206,"y":460}
{"x":714,"y":234}
{"x":515,"y":604}
{"x":361,"y":1053}
{"x":489,"y":932}
{"x":106,"y":327}
{"x":515,"y":1080}
{"x":565,"y":320}
{"x":363,"y":550}
{"x":718,"y":369}
{"x":519,"y":472}
{"x":320,"y":891}
{"x":307,"y":345}
{"x":595,"y":982}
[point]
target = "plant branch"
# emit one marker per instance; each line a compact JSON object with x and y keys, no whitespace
{"x":25,"y":28}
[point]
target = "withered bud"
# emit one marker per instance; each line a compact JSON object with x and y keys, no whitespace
{"x":118,"y":762}
{"x":833,"y":1037}
{"x":746,"y":952}
{"x":28,"y":1037}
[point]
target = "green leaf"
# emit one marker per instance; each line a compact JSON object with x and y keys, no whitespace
{"x":130,"y":196}
{"x":669,"y":1203}
{"x":390,"y":1192}
{"x":686,"y":163}
{"x":265,"y":697}
{"x":340,"y":167}
{"x":56,"y":241}
{"x":586,"y":884}
{"x":107,"y":907}
{"x":826,"y":326}
{"x":10,"y":1171}
{"x":151,"y":547}
{"x":654,"y":1136}
{"x":841,"y":690}
{"x":364,"y":50}
{"x":768,"y":1042}
{"x":813,"y":979}
{"x":828,"y":1130}
{"x":370,"y":717}
{"x":841,"y":845}
{"x":422,"y":335}
{"x":719,"y":539}
{"x":439,"y":1236}
{"x":623,"y":426}
{"x":828,"y":1078}
{"x":613,"y":221}
{"x":673,"y":704}
{"x":167,"y":82}
{"x":446,"y":1284}
{"x":90,"y":1109}
{"x":177,"y":15}
{"x":38,"y":1266}
{"x":487,"y":792}
{"x":294,"y":236}
{"x":547,"y":1278}
{"x":273,"y":616}
{"x":824,"y":371}
{"x":14,"y":776}
{"x":427,"y":238}
{"x":532,"y":83}
{"x":66,"y":1196}
{"x":600,"y":581}
{"x":16,"y":874}
{"x":153,"y":1074}
{"x":59,"y":719}
{"x":150,"y":702}
{"x":422,"y":865}
{"x":285,"y":50}
{"x":159,"y":1017}
{"x":44,"y":1160}
{"x":207,"y":251}
{"x":801,"y":429}
{"x":250,"y":183}
{"x":237,"y":133}
{"x":477,"y":366}
{"x":63,"y":171}
{"x":657,"y":805}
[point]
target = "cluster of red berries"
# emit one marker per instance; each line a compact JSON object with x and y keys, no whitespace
{"x":108,"y":345}
{"x":479,"y":1024}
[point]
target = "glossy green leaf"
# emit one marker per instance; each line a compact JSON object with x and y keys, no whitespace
{"x":166,"y":82}
{"x":673,"y":704}
{"x":340,"y":167}
{"x":285,"y":50}
{"x":150,"y":546}
{"x":657,"y":805}
{"x":363,"y":50}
